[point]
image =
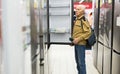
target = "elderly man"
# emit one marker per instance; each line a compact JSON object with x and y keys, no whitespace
{"x":81,"y":32}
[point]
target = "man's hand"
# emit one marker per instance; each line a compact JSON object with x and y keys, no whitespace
{"x":76,"y":40}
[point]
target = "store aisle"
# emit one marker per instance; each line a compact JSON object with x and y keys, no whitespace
{"x":60,"y":60}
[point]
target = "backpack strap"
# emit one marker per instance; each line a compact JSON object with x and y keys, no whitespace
{"x":82,"y":22}
{"x":82,"y":18}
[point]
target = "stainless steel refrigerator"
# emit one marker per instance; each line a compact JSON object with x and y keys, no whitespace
{"x":104,"y":37}
{"x":116,"y":39}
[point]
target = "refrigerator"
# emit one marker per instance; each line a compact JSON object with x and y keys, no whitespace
{"x":107,"y":37}
{"x":116,"y":39}
{"x":34,"y":36}
{"x":104,"y":37}
{"x":100,"y":38}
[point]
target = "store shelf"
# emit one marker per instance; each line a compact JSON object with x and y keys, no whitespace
{"x":59,"y":14}
{"x":59,"y":30}
{"x":59,"y":5}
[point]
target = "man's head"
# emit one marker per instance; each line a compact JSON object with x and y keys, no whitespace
{"x":80,"y":10}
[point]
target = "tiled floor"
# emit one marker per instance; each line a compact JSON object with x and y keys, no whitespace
{"x":60,"y":60}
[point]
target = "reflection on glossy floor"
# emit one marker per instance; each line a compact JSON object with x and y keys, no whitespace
{"x":61,"y":61}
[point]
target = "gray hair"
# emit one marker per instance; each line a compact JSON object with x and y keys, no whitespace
{"x":81,"y":6}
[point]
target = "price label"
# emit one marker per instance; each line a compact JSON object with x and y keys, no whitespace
{"x":118,"y":21}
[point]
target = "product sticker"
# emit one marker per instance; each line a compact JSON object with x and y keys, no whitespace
{"x":118,"y":21}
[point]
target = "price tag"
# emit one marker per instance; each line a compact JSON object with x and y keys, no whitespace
{"x":118,"y":21}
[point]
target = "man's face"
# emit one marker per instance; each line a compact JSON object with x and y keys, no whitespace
{"x":79,"y":11}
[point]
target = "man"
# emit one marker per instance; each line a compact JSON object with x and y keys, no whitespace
{"x":81,"y":32}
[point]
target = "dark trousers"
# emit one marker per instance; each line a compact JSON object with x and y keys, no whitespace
{"x":80,"y":58}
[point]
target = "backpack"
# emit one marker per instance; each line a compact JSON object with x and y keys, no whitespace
{"x":92,"y":39}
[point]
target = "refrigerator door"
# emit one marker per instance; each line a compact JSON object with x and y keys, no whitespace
{"x":107,"y":60}
{"x":96,"y":30}
{"x":107,"y":37}
{"x":116,"y":29}
{"x":100,"y":58}
{"x":116,"y":39}
{"x":95,"y":53}
{"x":107,"y":23}
{"x":115,"y":63}
{"x":101,"y":23}
{"x":33,"y":29}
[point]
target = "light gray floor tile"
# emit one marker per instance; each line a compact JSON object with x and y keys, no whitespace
{"x":61,"y":60}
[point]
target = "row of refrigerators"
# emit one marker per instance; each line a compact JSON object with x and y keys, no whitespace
{"x":107,"y":28}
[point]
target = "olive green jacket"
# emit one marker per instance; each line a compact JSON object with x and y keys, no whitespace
{"x":81,"y":32}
